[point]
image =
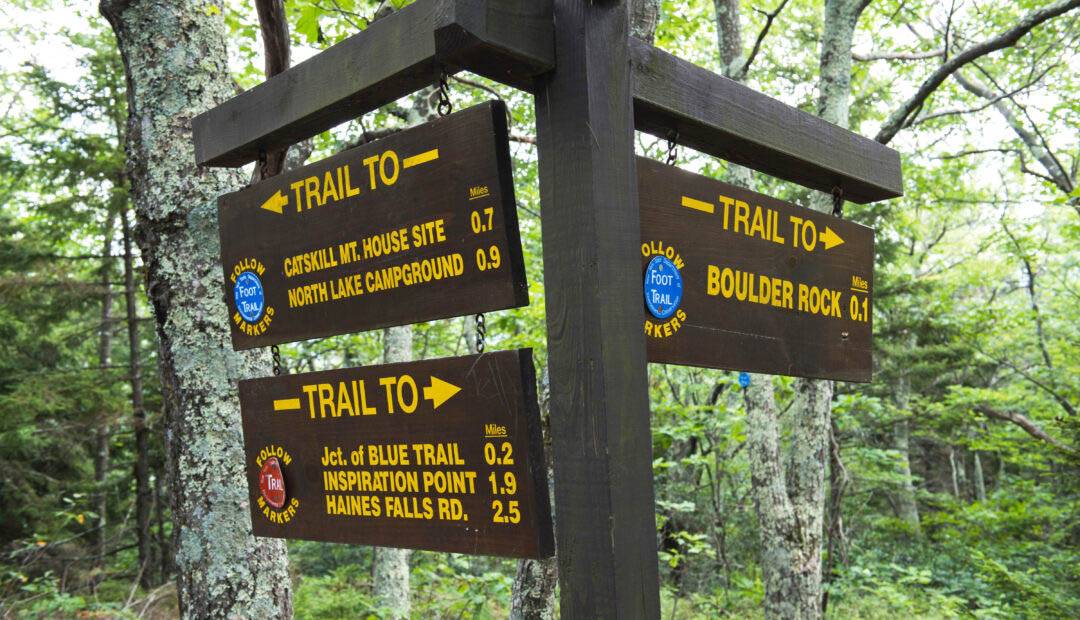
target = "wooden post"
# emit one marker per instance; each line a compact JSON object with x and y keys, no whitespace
{"x":605,"y":520}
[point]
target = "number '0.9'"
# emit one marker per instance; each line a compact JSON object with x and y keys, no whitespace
{"x":490,"y":259}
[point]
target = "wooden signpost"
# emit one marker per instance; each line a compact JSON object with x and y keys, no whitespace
{"x":738,"y":280}
{"x":443,"y":454}
{"x":417,"y":226}
{"x":594,"y":85}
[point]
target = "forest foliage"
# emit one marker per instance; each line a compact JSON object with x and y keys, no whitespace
{"x":958,"y":495}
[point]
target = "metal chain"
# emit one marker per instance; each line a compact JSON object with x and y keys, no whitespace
{"x":276,"y":353}
{"x":838,"y":201}
{"x":672,"y":147}
{"x":445,"y":107}
{"x":481,"y":331}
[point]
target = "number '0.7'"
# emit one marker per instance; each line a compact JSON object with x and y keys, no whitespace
{"x":482,"y":222}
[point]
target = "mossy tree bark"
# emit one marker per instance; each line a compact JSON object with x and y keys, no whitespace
{"x":176,"y":67}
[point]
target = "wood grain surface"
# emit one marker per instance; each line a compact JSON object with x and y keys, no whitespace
{"x":404,"y":455}
{"x":314,"y":236}
{"x":753,"y":250}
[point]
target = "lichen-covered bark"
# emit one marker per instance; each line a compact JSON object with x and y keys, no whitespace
{"x":789,"y":488}
{"x":644,"y":15}
{"x":791,"y":568}
{"x":729,"y":35}
{"x":796,"y":591}
{"x":834,"y":88}
{"x":790,"y":547}
{"x":533,"y":594}
{"x":392,"y":565}
{"x":176,"y":67}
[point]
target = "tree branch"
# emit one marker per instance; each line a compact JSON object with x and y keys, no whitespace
{"x":1034,"y":141}
{"x":740,"y":75}
{"x":899,"y":119}
{"x":960,"y":154}
{"x":1025,"y":423}
{"x":872,"y":56}
{"x":275,"y":35}
{"x":991,"y":100}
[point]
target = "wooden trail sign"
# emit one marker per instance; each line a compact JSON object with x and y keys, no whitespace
{"x":587,"y":107}
{"x":738,"y":280}
{"x":417,"y":226}
{"x":443,"y":455}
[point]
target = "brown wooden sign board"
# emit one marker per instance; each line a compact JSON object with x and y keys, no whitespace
{"x":418,"y":226}
{"x":443,"y":455}
{"x":767,"y":286}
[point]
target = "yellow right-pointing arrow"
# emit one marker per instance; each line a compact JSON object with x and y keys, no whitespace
{"x":276,"y":202}
{"x":440,"y":391}
{"x":830,"y":238}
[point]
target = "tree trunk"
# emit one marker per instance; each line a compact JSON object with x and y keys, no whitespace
{"x":644,"y":16}
{"x":143,"y":497}
{"x":791,"y":570}
{"x":789,"y":495}
{"x":999,"y":479}
{"x":953,"y":475}
{"x":274,"y":27}
{"x":392,"y":565}
{"x":729,"y":36}
{"x":788,"y":492}
{"x":980,"y":480}
{"x":907,"y":507}
{"x":836,"y":539}
{"x":164,"y":552}
{"x":101,"y":433}
{"x":176,"y":67}
{"x":961,"y":475}
{"x":533,"y":594}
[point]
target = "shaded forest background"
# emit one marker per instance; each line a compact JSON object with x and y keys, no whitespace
{"x":953,"y":477}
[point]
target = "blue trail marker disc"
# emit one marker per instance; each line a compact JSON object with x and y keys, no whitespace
{"x":249,"y":298}
{"x":663,"y":287}
{"x":744,"y":379}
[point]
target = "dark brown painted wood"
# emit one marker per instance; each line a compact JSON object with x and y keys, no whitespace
{"x":506,"y":40}
{"x":606,"y":523}
{"x":721,"y":117}
{"x":480,"y":412}
{"x":735,"y":258}
{"x":312,"y":235}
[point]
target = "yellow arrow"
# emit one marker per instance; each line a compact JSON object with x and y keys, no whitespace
{"x":830,"y":238}
{"x":276,"y":202}
{"x":440,"y":391}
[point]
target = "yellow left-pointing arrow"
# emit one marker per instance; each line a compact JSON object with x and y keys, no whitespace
{"x":830,"y":238}
{"x":439,"y":391}
{"x":276,"y":202}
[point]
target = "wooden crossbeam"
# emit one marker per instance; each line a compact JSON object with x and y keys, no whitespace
{"x":511,"y":41}
{"x":721,"y":117}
